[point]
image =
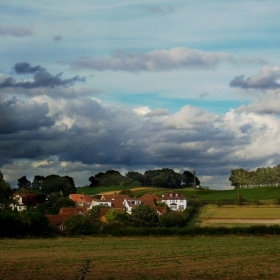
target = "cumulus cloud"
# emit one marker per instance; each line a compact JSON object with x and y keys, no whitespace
{"x":267,"y":78}
{"x":15,"y":31}
{"x":267,"y":104}
{"x":160,"y":60}
{"x":60,"y":135}
{"x":41,"y":79}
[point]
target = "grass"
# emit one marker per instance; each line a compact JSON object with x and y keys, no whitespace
{"x":141,"y":258}
{"x":240,"y":212}
{"x":236,"y":216}
{"x":267,"y":193}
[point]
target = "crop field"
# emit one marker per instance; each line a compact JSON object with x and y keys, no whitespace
{"x":228,"y":257}
{"x":212,"y":215}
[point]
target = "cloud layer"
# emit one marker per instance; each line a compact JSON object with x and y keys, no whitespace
{"x":15,"y":31}
{"x":160,"y":60}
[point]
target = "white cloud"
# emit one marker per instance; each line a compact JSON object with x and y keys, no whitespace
{"x":160,"y":60}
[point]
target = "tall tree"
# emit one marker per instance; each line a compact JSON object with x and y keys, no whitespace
{"x":37,"y":183}
{"x":24,"y":183}
{"x":5,"y":189}
{"x":55,"y":183}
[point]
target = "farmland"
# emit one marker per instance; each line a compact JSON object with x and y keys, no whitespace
{"x":212,"y":215}
{"x":228,"y":257}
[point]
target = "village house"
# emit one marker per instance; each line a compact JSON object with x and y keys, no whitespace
{"x":22,"y":200}
{"x":175,"y":201}
{"x":112,"y":200}
{"x":81,"y":200}
{"x":64,"y":213}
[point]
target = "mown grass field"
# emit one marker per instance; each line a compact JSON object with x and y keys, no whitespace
{"x":267,"y":193}
{"x":212,"y":215}
{"x":227,"y":257}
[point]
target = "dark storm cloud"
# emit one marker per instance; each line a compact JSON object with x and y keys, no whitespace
{"x":15,"y":31}
{"x":26,"y":68}
{"x":19,"y":116}
{"x":267,"y":78}
{"x":41,"y":79}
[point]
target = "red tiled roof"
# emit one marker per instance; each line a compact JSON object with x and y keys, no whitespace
{"x":72,"y":210}
{"x":84,"y":198}
{"x":57,"y":219}
{"x":114,"y":196}
{"x":149,"y":199}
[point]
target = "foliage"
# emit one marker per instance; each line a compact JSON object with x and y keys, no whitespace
{"x":173,"y":219}
{"x":94,"y":212}
{"x":5,"y":189}
{"x":189,"y":179}
{"x":109,"y":178}
{"x":61,"y":202}
{"x":144,"y":215}
{"x":262,"y":177}
{"x":55,"y":183}
{"x":128,"y":192}
{"x":115,"y":215}
{"x":162,"y":178}
{"x":37,"y":182}
{"x":81,"y":225}
{"x":31,"y":223}
{"x":24,"y":183}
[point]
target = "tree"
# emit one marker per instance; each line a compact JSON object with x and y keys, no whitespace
{"x":24,"y":183}
{"x":115,"y":215}
{"x":5,"y":189}
{"x":37,"y":182}
{"x":109,"y":178}
{"x":94,"y":212}
{"x":55,"y":183}
{"x":173,"y":219}
{"x":189,"y":179}
{"x":81,"y":225}
{"x":61,"y":202}
{"x":144,"y":215}
{"x":164,"y":178}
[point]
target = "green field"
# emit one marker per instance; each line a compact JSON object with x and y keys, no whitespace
{"x":267,"y":193}
{"x":141,"y":258}
{"x":237,"y":216}
{"x":239,"y":212}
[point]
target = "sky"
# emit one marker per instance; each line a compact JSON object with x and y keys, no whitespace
{"x":90,"y":86}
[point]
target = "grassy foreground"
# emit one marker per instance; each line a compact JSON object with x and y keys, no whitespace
{"x":141,"y":258}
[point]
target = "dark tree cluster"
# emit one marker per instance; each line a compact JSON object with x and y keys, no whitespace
{"x":25,"y":223}
{"x":5,"y":189}
{"x":51,"y":183}
{"x":262,"y":177}
{"x":163,"y":178}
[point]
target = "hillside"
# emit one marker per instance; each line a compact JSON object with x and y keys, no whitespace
{"x":248,"y":194}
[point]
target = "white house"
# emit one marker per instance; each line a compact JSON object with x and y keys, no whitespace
{"x":175,"y":201}
{"x":131,"y":203}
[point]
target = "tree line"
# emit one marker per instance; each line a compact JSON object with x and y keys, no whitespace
{"x":261,"y":177}
{"x":163,"y":178}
